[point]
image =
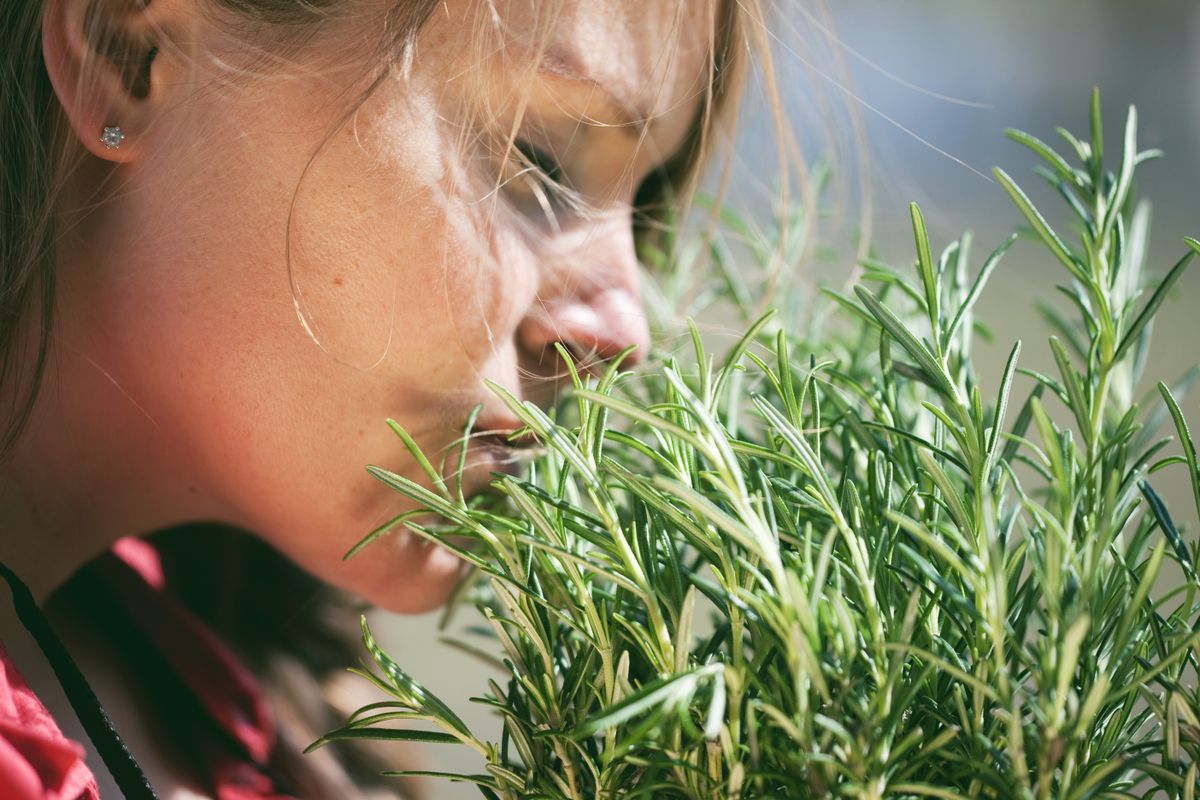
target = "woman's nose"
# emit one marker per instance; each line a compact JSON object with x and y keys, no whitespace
{"x":595,"y":328}
{"x":592,"y":306}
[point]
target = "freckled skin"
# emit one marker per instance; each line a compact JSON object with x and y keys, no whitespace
{"x":187,"y":385}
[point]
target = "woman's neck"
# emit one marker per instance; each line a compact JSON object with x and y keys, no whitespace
{"x":89,"y":468}
{"x":44,"y":542}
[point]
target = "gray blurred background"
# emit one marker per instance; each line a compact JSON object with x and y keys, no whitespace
{"x":1028,"y":65}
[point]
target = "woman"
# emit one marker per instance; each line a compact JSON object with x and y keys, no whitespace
{"x":240,"y":234}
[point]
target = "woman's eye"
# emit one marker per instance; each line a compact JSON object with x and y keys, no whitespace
{"x":538,"y":164}
{"x":537,"y":184}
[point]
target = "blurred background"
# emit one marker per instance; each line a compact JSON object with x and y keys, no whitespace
{"x":910,"y":100}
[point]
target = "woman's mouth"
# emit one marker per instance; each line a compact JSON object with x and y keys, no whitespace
{"x":487,"y":450}
{"x":498,"y":444}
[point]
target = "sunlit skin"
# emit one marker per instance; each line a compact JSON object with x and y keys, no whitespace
{"x":193,"y":377}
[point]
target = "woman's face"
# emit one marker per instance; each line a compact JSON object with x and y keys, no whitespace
{"x":273,"y":279}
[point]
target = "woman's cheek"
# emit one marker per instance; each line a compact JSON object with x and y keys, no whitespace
{"x":363,"y":262}
{"x":290,"y":338}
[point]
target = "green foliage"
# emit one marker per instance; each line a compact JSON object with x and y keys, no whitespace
{"x":838,"y":566}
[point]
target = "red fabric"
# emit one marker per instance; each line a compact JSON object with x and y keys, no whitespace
{"x":223,"y":686}
{"x":38,"y":763}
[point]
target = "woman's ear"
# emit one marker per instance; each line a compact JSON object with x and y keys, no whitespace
{"x":111,"y":65}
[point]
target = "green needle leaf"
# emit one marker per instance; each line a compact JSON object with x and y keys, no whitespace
{"x":1185,"y":439}
{"x":1156,"y":300}
{"x":1041,"y":227}
{"x":909,"y":341}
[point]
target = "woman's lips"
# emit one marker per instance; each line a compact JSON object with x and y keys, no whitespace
{"x":486,"y":455}
{"x":493,"y":440}
{"x":493,"y":445}
{"x":496,"y":453}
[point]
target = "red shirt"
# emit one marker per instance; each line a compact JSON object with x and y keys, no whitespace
{"x":37,"y":762}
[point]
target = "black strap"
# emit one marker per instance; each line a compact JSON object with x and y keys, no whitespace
{"x":120,"y":762}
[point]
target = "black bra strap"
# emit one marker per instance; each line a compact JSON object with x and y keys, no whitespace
{"x":120,"y":762}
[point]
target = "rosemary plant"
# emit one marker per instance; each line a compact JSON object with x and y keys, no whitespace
{"x":839,"y":566}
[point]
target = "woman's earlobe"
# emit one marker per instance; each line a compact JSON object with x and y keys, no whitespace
{"x":106,"y":69}
{"x":112,"y":136}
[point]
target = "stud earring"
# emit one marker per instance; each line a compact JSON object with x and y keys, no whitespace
{"x":112,"y":137}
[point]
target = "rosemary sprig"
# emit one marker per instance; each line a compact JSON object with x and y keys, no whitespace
{"x":837,"y":566}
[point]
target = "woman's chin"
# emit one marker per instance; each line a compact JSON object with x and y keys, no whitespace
{"x":403,"y":573}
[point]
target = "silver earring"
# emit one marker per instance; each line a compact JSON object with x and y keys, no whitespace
{"x":112,"y":137}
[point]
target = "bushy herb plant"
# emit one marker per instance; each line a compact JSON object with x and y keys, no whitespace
{"x":844,"y":564}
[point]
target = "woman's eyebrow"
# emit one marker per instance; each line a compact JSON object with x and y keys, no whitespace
{"x":561,"y":64}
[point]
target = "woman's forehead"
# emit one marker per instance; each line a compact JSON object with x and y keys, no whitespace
{"x":645,"y":50}
{"x":645,"y":61}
